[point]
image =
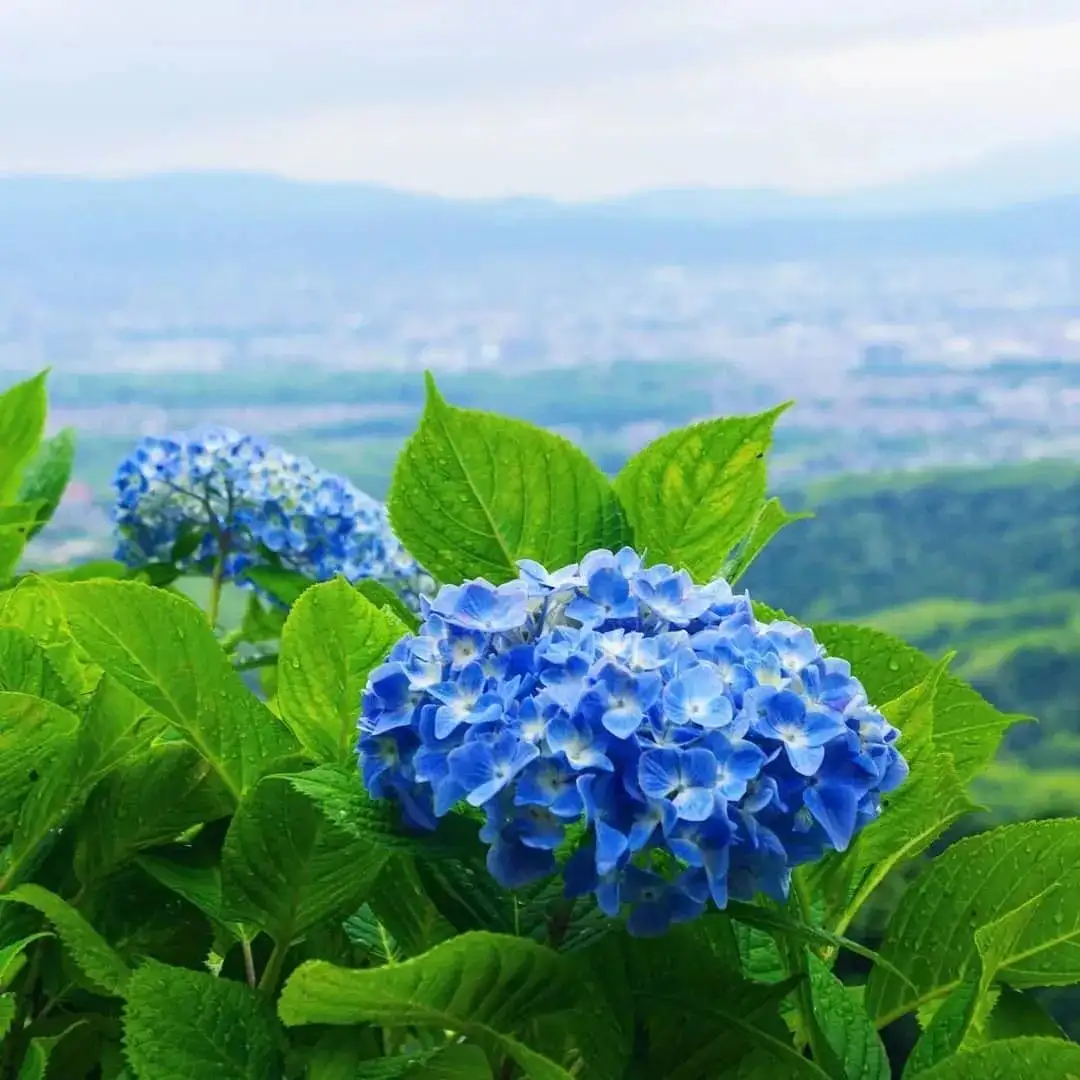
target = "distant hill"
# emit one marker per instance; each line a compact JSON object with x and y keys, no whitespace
{"x":233,"y":215}
{"x":982,"y":562}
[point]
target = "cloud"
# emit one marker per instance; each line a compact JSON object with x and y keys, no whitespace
{"x":573,"y":99}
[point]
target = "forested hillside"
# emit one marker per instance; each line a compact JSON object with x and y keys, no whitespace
{"x":985,"y":563}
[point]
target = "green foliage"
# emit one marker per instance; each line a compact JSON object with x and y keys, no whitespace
{"x":47,"y":476}
{"x":694,"y":494}
{"x":195,"y":883}
{"x":474,"y":492}
{"x":332,"y":639}
{"x":186,"y":1025}
{"x":933,"y":936}
{"x":22,"y":425}
{"x":156,"y":645}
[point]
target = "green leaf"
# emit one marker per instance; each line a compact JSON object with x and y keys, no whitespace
{"x":33,"y":607}
{"x":147,"y":801}
{"x":87,"y":571}
{"x":186,"y":1025}
{"x":12,"y":958}
{"x":25,"y":667}
{"x":47,"y":476}
{"x":759,"y":954}
{"x":363,"y":928}
{"x":772,"y":518}
{"x":1012,"y":1059}
{"x":693,"y":494}
{"x":332,"y":639}
{"x":846,"y":1026}
{"x":953,"y":1021}
{"x":93,"y":954}
{"x":199,"y":885}
{"x":339,"y":794}
{"x":488,"y":986}
{"x":22,"y":424}
{"x":382,"y":596}
{"x":473,"y":492}
{"x":912,"y":713}
{"x":115,"y":724}
{"x":400,"y":904}
{"x":777,"y":922}
{"x":965,"y":724}
{"x":1017,"y":1013}
{"x":33,"y":732}
{"x":16,"y":523}
{"x":285,"y":586}
{"x":8,"y":1012}
{"x":913,"y":817}
{"x":979,"y":881}
{"x":285,"y":867}
{"x":338,"y":1056}
{"x":157,"y":645}
{"x":35,"y":1065}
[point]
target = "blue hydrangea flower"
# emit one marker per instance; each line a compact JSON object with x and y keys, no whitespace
{"x":217,"y":494}
{"x":708,"y":754}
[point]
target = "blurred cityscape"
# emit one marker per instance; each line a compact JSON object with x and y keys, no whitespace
{"x":896,"y":361}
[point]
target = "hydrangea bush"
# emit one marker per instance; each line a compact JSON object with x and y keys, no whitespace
{"x":230,"y":504}
{"x":709,"y":753}
{"x":589,"y":811}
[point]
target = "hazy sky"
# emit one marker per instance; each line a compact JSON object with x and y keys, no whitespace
{"x":572,"y":98}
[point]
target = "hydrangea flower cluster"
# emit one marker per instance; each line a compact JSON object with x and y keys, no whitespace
{"x":707,"y":753}
{"x":239,"y":499}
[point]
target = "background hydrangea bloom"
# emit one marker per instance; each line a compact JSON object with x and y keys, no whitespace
{"x":708,"y":753}
{"x":214,"y":493}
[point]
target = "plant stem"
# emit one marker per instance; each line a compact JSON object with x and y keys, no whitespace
{"x":271,"y":974}
{"x":249,"y":963}
{"x":797,"y":965}
{"x":216,"y":581}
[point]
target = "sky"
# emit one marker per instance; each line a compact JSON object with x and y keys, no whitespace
{"x":573,"y":99}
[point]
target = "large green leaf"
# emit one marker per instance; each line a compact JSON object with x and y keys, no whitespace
{"x":47,"y":476}
{"x":1012,"y":1059}
{"x":93,"y":954}
{"x":186,"y":1025}
{"x":332,"y":639}
{"x":694,"y":494}
{"x":931,"y":938}
{"x":382,"y":596}
{"x":32,"y":606}
{"x":952,"y":1023}
{"x":285,"y":866}
{"x":16,"y":524}
{"x":159,"y":647}
{"x":488,"y":986}
{"x":846,"y":1026}
{"x":964,"y":723}
{"x":25,"y":667}
{"x":33,"y":732}
{"x":339,"y":794}
{"x":147,"y":801}
{"x":474,"y":492}
{"x":22,"y":424}
{"x":115,"y":724}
